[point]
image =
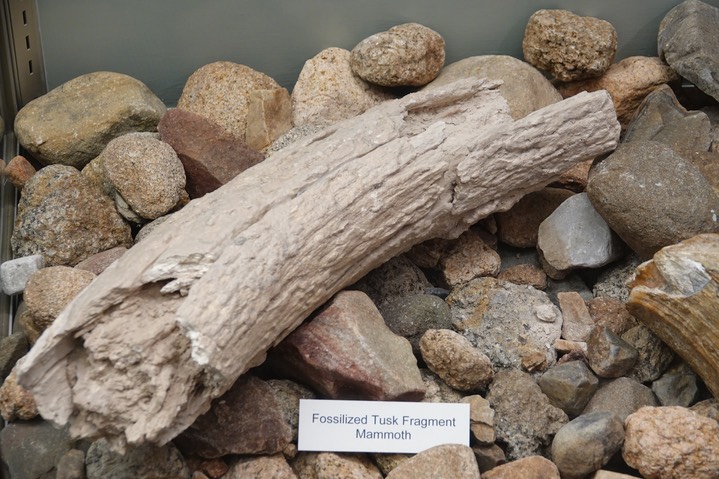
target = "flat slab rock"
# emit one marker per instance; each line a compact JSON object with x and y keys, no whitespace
{"x":273,"y":249}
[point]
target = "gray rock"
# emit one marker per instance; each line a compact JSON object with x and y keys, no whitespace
{"x":622,"y":397}
{"x":453,"y":358}
{"x":275,"y":467}
{"x":293,"y":135}
{"x":287,"y":394}
{"x":569,"y":386}
{"x":405,"y":55}
{"x":14,"y":273}
{"x":71,"y":124}
{"x":347,"y":352}
{"x":438,"y":390}
{"x":676,"y":387}
{"x":651,"y":197}
{"x":708,"y":408}
{"x":585,"y":444}
{"x":12,"y":348}
{"x":509,"y":323}
{"x":391,"y":281}
{"x":524,"y":418}
{"x":524,"y":87}
{"x":612,"y":281}
{"x":519,"y":226}
{"x":145,"y":172}
{"x":654,"y":355}
{"x":32,"y":449}
{"x":65,"y":218}
{"x":139,"y":462}
{"x":571,"y":283}
{"x":220,"y":91}
{"x":448,"y":461}
{"x":327,"y":90}
{"x":411,"y":315}
{"x":609,"y":355}
{"x":576,"y":236}
{"x":71,"y":465}
{"x":688,"y":43}
{"x":661,"y":118}
{"x":568,"y":46}
{"x":247,"y":419}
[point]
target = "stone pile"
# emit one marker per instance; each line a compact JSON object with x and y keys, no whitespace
{"x":524,"y":317}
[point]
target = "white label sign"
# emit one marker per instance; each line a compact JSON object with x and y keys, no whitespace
{"x":380,"y":426}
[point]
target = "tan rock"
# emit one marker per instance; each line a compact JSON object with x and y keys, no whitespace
{"x":611,"y":313}
{"x":220,"y":92}
{"x":574,"y":179}
{"x":602,"y":474}
{"x":469,"y":257}
{"x":269,"y":116}
{"x":327,"y":90}
{"x":449,"y":461}
{"x":98,"y":262}
{"x":312,"y":465}
{"x":19,"y":170}
{"x":274,"y":466}
{"x":577,"y":322}
{"x":50,"y":289}
{"x":525,"y":274}
{"x":16,"y":402}
{"x":672,"y":443}
{"x":628,"y":82}
{"x":453,"y":358}
{"x":532,"y":467}
{"x":481,"y":419}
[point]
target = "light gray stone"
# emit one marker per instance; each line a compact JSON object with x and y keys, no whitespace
{"x":622,"y":397}
{"x":677,"y":387}
{"x":569,"y":386}
{"x":32,"y":449}
{"x":14,"y":273}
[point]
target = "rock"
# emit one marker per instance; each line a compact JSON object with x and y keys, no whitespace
{"x":672,"y":442}
{"x":676,"y":387}
{"x":438,"y":390}
{"x":628,"y":82}
{"x":708,"y":408}
{"x":274,"y":466}
{"x":572,"y":282}
{"x":576,"y":236}
{"x":293,"y":135}
{"x":394,"y":279}
{"x":269,"y":116}
{"x":19,"y":171}
{"x":687,"y":43}
{"x":568,"y":46}
{"x":611,"y":313}
{"x":612,"y":281}
{"x":469,"y":257}
{"x":523,"y":86}
{"x":71,"y":124}
{"x":147,"y":228}
{"x":412,"y":315}
{"x":519,"y":225}
{"x":98,"y":262}
{"x":287,"y":395}
{"x":210,"y":155}
{"x":569,"y":386}
{"x":140,"y":462}
{"x":71,"y":465}
{"x":386,"y":462}
{"x":577,"y":323}
{"x":621,"y":397}
{"x":707,"y":162}
{"x":530,"y":467}
{"x":25,"y":322}
{"x":654,"y":356}
{"x":526,"y":274}
{"x":347,"y":352}
{"x":602,"y":474}
{"x":16,"y":402}
{"x":50,"y":289}
{"x":15,"y":273}
{"x":609,"y":355}
{"x":326,"y":465}
{"x":481,"y":419}
{"x":651,"y":197}
{"x":453,"y":358}
{"x":327,"y":90}
{"x":675,"y":295}
{"x":65,"y":218}
{"x":12,"y":348}
{"x":585,"y":444}
{"x":524,"y":418}
{"x":244,"y":420}
{"x":565,"y":347}
{"x":219,"y":91}
{"x":210,"y":468}
{"x":32,"y":449}
{"x":405,"y":55}
{"x":488,"y":457}
{"x":575,"y":178}
{"x":145,"y":173}
{"x":448,"y":461}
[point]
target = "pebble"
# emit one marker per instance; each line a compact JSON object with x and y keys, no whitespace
{"x":677,"y":387}
{"x":585,"y":444}
{"x":19,"y":170}
{"x":15,"y":273}
{"x":672,"y":443}
{"x":569,"y":386}
{"x":393,"y":280}
{"x":139,"y":462}
{"x":71,"y":465}
{"x":327,"y":90}
{"x":469,"y":257}
{"x":577,"y":322}
{"x":453,"y":358}
{"x":32,"y":449}
{"x":526,"y":274}
{"x":654,"y":355}
{"x":622,"y":397}
{"x":568,"y":46}
{"x":412,"y":315}
{"x":519,"y":226}
{"x":488,"y":457}
{"x":330,"y":464}
{"x":609,"y":355}
{"x":531,"y":467}
{"x":405,"y":55}
{"x":16,"y":402}
{"x":269,"y":116}
{"x":274,"y":466}
{"x":12,"y":348}
{"x":611,"y":313}
{"x":448,"y":461}
{"x":481,"y":419}
{"x":98,"y":262}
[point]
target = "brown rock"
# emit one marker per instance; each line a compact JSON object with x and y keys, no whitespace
{"x":531,"y":467}
{"x":453,"y":358}
{"x":19,"y":171}
{"x":574,"y":179}
{"x":16,"y":402}
{"x":50,"y":289}
{"x":525,"y":274}
{"x":611,"y":313}
{"x":321,"y":465}
{"x":269,"y":116}
{"x":99,"y":261}
{"x":469,"y":257}
{"x":481,"y":419}
{"x":654,"y":356}
{"x":245,"y":420}
{"x":602,"y":474}
{"x":628,"y":82}
{"x":275,"y":467}
{"x":609,"y":355}
{"x":71,"y":465}
{"x":622,"y":397}
{"x":347,"y":352}
{"x":210,"y":155}
{"x":577,"y":323}
{"x":673,"y":443}
{"x":405,"y":55}
{"x":569,"y":46}
{"x":520,"y":225}
{"x":488,"y":457}
{"x":219,"y":91}
{"x":448,"y":461}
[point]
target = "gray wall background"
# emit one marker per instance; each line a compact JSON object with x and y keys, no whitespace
{"x":161,"y":42}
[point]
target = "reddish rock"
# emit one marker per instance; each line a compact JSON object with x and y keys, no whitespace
{"x":347,"y":352}
{"x":469,"y":257}
{"x":18,"y":171}
{"x":532,"y":467}
{"x":211,"y":155}
{"x":99,"y":261}
{"x":612,"y":314}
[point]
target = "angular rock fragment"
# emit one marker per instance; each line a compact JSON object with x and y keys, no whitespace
{"x":654,"y":356}
{"x":569,"y":386}
{"x":609,"y":355}
{"x":269,"y":116}
{"x":453,"y":358}
{"x":519,"y":226}
{"x":621,"y":397}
